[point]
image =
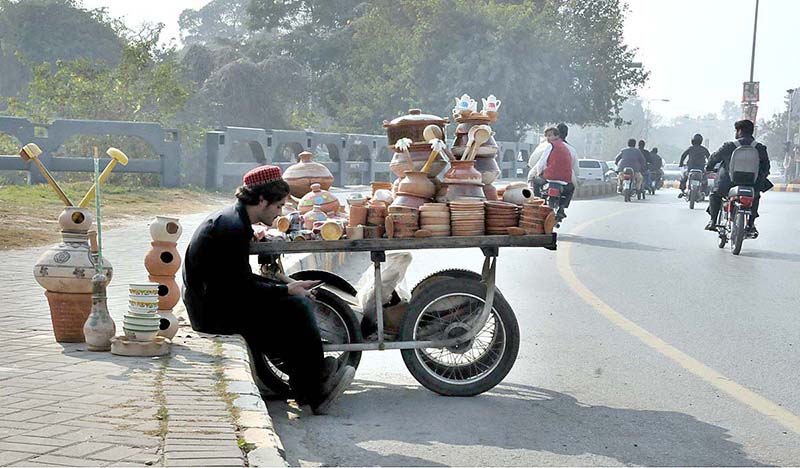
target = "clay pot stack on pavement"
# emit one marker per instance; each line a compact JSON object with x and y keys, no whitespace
{"x":162,"y":262}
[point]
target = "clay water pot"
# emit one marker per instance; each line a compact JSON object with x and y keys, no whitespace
{"x":518,"y":193}
{"x":162,"y":259}
{"x":317,"y":196}
{"x":67,"y":267}
{"x":168,"y":291}
{"x":419,"y":153}
{"x":407,"y":200}
{"x":74,"y":219}
{"x":304,"y":174}
{"x":463,"y":172}
{"x":313,"y":216}
{"x":167,"y":324}
{"x":416,"y":183}
{"x":165,"y":229}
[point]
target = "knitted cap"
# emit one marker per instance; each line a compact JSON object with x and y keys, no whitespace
{"x":262,"y":175}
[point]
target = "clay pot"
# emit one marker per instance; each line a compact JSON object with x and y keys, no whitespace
{"x":463,"y":172}
{"x":358,"y":215}
{"x":68,"y":267}
{"x":419,"y":153}
{"x":454,"y":191}
{"x":168,"y":291}
{"x":162,"y":259}
{"x":75,"y":219}
{"x":165,"y":229}
{"x":99,"y":327}
{"x":304,"y":174}
{"x":407,"y":200}
{"x":313,"y":216}
{"x":488,"y":168}
{"x":167,"y":324}
{"x":412,"y":125}
{"x":416,"y":183}
{"x":327,"y":202}
{"x":380,"y":185}
{"x":69,"y":313}
{"x":518,"y":193}
{"x":355,"y":232}
{"x":488,"y":149}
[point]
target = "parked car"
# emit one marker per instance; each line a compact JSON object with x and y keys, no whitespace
{"x":592,"y":169}
{"x":672,"y":172}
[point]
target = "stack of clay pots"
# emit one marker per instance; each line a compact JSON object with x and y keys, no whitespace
{"x":161,"y":263}
{"x":465,"y":113}
{"x":356,"y":217}
{"x":412,"y":126}
{"x":461,"y":181}
{"x":304,"y":174}
{"x":413,"y":190}
{"x":435,"y":218}
{"x":402,"y":222}
{"x":65,"y":270}
{"x":467,"y":217}
{"x":537,"y":218}
{"x":376,"y":220}
{"x":141,"y":322}
{"x":500,"y":216}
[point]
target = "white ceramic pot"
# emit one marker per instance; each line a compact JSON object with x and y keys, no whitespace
{"x":138,"y":335}
{"x":168,"y":326}
{"x":517,"y":193}
{"x":75,"y":219}
{"x":165,"y":229}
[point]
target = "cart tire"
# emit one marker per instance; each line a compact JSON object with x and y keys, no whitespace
{"x":450,"y":273}
{"x":475,"y":367}
{"x":332,"y":311}
{"x":326,"y":277}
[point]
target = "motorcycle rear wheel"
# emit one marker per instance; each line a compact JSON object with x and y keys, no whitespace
{"x":627,"y":194}
{"x":692,"y":198}
{"x":737,"y":233}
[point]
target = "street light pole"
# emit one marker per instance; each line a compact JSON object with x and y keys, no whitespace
{"x":753,"y":55}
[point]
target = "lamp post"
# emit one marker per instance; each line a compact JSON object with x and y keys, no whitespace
{"x":787,"y":158}
{"x":647,"y":114}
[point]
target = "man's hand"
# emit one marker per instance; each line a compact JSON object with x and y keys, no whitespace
{"x":301,"y":288}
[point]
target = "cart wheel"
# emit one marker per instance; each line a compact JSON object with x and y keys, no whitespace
{"x":337,"y":324}
{"x":440,"y":275}
{"x":326,"y":277}
{"x":443,"y":309}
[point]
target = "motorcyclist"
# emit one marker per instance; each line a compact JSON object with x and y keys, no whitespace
{"x":744,"y":135}
{"x":697,"y":155}
{"x":558,"y":163}
{"x":656,"y":166}
{"x":648,"y":161}
{"x":633,"y":158}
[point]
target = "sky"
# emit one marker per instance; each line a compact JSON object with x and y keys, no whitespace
{"x":697,"y":51}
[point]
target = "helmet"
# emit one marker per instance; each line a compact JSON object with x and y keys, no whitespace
{"x":697,"y":139}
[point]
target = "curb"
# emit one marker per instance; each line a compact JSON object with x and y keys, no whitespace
{"x":596,"y":190}
{"x":776,"y":188}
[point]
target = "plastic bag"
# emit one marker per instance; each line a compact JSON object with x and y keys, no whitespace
{"x":393,"y":274}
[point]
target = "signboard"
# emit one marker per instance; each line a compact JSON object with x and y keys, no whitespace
{"x":749,"y":111}
{"x":750,"y":91}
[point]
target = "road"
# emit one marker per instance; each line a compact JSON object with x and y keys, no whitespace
{"x":642,"y":344}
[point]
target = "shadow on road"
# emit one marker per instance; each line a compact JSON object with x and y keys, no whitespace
{"x":768,"y":255}
{"x":609,"y":243}
{"x":378,"y":424}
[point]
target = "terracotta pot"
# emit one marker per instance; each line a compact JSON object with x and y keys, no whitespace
{"x":162,"y":259}
{"x":518,"y":193}
{"x":419,"y":155}
{"x":327,"y":202}
{"x":463,"y":172}
{"x":487,"y":149}
{"x":331,"y":230}
{"x":166,"y":229}
{"x":416,"y":183}
{"x":380,"y":185}
{"x":75,"y":219}
{"x":488,"y":168}
{"x":168,"y":291}
{"x":313,"y":216}
{"x":68,"y":267}
{"x":454,"y":191}
{"x":490,"y":191}
{"x":304,"y":174}
{"x":407,"y":200}
{"x":68,"y":313}
{"x":167,"y":324}
{"x":358,"y":215}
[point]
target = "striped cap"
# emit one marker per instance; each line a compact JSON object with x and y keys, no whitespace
{"x":262,"y":175}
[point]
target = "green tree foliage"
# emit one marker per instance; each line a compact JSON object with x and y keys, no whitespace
{"x":218,"y":22}
{"x":37,"y":31}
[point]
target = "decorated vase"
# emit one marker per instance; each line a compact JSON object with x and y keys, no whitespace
{"x":304,"y":174}
{"x":318,"y":197}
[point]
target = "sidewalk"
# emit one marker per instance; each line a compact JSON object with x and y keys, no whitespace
{"x":61,"y":405}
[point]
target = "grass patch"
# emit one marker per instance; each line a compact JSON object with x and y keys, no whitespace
{"x":29,"y":213}
{"x":245,"y":446}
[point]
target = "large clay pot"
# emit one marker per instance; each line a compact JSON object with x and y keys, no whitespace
{"x":327,"y":202}
{"x":454,"y":191}
{"x":488,"y":168}
{"x":463,"y":172}
{"x":304,"y":174}
{"x":162,"y":259}
{"x":419,"y":155}
{"x":488,"y":149}
{"x":416,"y":183}
{"x":68,"y":267}
{"x":407,"y":200}
{"x":412,"y":125}
{"x":168,"y":291}
{"x":166,"y":229}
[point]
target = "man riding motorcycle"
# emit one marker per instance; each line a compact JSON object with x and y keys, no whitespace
{"x":558,"y":163}
{"x":697,"y":155}
{"x":633,"y":158}
{"x":656,"y":164}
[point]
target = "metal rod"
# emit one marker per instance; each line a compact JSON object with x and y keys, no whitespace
{"x":379,"y":303}
{"x":753,"y":56}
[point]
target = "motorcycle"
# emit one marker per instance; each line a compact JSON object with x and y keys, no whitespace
{"x":554,"y":198}
{"x":695,"y":187}
{"x":734,"y":217}
{"x":655,"y":181}
{"x":629,"y":187}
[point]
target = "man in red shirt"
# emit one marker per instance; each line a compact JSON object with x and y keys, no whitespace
{"x":555,"y":164}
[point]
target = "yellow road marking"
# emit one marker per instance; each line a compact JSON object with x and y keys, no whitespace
{"x":717,"y":380}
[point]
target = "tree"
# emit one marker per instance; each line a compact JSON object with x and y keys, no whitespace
{"x":218,"y":22}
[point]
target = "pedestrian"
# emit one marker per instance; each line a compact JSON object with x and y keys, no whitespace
{"x":223,"y":295}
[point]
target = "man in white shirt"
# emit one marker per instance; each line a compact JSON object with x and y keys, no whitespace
{"x":542,"y":152}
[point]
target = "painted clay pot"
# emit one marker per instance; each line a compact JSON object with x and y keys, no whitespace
{"x":313,"y":216}
{"x":167,"y":324}
{"x":327,"y":202}
{"x":99,"y":327}
{"x":304,"y":174}
{"x":488,"y":168}
{"x":168,"y":291}
{"x":416,"y":183}
{"x":463,"y":172}
{"x":166,"y":229}
{"x":162,"y":259}
{"x":68,"y":267}
{"x":518,"y":192}
{"x":74,"y":219}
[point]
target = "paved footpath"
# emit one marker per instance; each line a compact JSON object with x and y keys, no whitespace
{"x":61,"y":405}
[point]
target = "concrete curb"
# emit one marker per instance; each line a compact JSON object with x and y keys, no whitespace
{"x":777,"y":187}
{"x":597,"y":190}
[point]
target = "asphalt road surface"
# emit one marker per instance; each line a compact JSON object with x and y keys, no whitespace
{"x":643,"y":343}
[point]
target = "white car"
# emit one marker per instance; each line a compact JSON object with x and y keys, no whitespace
{"x":592,"y":169}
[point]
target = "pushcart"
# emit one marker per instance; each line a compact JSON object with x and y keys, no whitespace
{"x":458,"y":335}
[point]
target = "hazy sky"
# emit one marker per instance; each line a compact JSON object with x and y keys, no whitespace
{"x":698,"y":51}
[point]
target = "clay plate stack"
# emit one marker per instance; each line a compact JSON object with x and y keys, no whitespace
{"x":435,"y":218}
{"x":500,"y":216}
{"x":467,"y":217}
{"x":532,"y":219}
{"x":401,"y":222}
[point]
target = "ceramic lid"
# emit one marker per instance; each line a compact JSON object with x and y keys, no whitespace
{"x":415,"y":117}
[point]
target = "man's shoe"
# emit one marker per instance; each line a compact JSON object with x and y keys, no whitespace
{"x":335,"y":386}
{"x":751,"y":232}
{"x":681,"y":195}
{"x":711,"y":226}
